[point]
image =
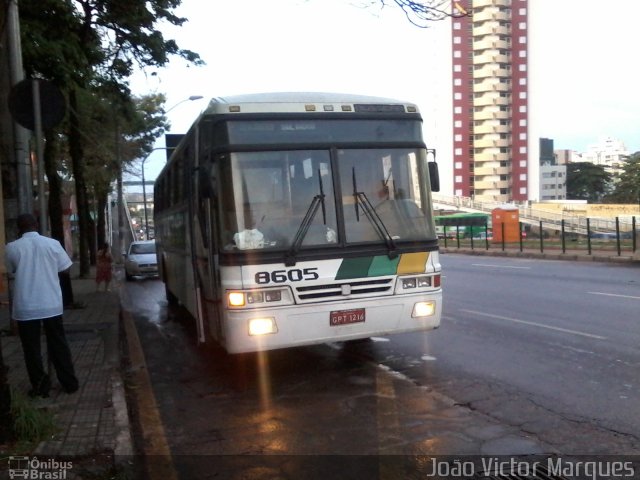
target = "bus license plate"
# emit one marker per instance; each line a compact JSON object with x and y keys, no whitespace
{"x":344,"y":317}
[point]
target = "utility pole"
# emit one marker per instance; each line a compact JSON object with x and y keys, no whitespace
{"x":21,"y":135}
{"x":37,"y":115}
{"x":120,"y":201}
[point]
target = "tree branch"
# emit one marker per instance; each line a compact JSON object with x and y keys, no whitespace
{"x":422,"y":14}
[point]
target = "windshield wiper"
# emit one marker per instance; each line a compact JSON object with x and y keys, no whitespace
{"x":316,"y":202}
{"x":362,"y":200}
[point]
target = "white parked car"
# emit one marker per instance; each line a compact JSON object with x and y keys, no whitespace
{"x":141,"y":260}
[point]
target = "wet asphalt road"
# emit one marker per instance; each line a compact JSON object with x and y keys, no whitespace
{"x":545,"y":348}
{"x":550,"y":346}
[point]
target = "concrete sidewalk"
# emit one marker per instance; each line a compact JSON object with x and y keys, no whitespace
{"x":93,"y":421}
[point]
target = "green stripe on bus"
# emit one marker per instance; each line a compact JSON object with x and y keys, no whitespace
{"x":354,"y":268}
{"x":382,"y":265}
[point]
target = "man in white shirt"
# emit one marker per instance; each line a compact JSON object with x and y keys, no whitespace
{"x":35,"y":261}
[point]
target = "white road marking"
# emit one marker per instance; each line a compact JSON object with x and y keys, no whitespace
{"x":534,"y":324}
{"x":613,"y":295}
{"x":498,"y":266}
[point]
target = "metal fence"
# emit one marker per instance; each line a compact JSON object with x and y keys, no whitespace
{"x":532,"y":216}
{"x":587,"y":235}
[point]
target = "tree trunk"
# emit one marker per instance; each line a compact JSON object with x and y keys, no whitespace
{"x":55,"y":209}
{"x":102,"y":220}
{"x":55,"y":187}
{"x":77,"y":154}
{"x":92,"y":241}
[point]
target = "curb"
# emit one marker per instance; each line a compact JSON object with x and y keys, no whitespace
{"x":154,"y":441}
{"x":543,"y":256}
{"x":123,"y":449}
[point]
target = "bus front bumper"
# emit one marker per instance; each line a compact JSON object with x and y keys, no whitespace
{"x":299,"y":325}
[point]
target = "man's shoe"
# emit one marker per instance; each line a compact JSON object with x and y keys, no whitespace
{"x":71,"y":389}
{"x":38,"y":393}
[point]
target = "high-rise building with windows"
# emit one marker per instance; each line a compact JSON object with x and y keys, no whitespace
{"x":490,"y":101}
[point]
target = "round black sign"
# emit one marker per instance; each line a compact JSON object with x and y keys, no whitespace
{"x":52,"y":103}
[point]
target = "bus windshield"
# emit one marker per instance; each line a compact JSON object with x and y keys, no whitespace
{"x":276,"y":199}
{"x":270,"y":194}
{"x":384,"y":195}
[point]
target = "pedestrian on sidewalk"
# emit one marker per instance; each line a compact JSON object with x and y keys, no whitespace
{"x":104,"y":262}
{"x":35,"y":261}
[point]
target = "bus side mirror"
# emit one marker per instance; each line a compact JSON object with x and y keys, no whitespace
{"x":434,"y":176}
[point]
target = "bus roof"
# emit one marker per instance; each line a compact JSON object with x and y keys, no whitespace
{"x":307,"y":102}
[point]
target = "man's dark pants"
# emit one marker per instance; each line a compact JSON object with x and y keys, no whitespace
{"x":58,"y":349}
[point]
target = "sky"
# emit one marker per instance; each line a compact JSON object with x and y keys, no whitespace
{"x":584,"y":85}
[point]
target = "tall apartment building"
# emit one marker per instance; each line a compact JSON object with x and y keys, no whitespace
{"x":490,"y":101}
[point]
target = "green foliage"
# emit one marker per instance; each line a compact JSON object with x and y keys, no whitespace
{"x":627,"y":185}
{"x":139,"y":123}
{"x":84,"y":42}
{"x":51,"y":42}
{"x":90,"y":48}
{"x":586,"y":181}
{"x":30,"y":424}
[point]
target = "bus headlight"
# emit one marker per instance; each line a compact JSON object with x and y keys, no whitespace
{"x":424,"y":309}
{"x":262,"y":326}
{"x":236,"y":299}
{"x":408,"y":284}
{"x":273,"y":295}
{"x":258,"y":298}
{"x":255,"y":297}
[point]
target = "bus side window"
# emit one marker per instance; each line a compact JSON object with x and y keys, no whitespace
{"x":205,"y":181}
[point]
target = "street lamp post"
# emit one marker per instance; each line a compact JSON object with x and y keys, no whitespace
{"x":189,"y":99}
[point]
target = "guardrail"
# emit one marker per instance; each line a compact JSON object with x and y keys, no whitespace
{"x":549,"y":235}
{"x":533,"y":216}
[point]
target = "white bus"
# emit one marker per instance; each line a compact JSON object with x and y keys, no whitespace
{"x":291,"y":219}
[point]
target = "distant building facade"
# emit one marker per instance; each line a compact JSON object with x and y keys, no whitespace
{"x":553,"y":175}
{"x":564,"y":156}
{"x":490,"y":101}
{"x":609,"y":153}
